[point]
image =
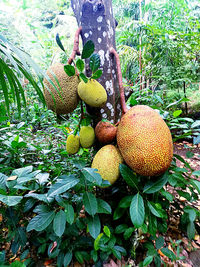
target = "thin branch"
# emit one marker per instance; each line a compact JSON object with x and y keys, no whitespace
{"x":75,"y":50}
{"x":119,"y":75}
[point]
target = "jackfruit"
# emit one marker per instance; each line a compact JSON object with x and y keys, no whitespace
{"x":107,"y":161}
{"x":87,"y":136}
{"x":72,"y":144}
{"x":92,"y":93}
{"x":145,"y":141}
{"x":67,"y":87}
{"x":105,"y":132}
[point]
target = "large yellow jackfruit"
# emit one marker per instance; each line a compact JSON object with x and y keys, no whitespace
{"x":145,"y":141}
{"x":72,"y":144}
{"x":87,"y":136}
{"x":67,"y":88}
{"x":92,"y":93}
{"x":107,"y":161}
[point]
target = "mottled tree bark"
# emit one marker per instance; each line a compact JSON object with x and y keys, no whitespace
{"x":98,"y":24}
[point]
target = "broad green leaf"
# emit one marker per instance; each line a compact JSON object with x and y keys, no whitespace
{"x":121,"y":228}
{"x":80,"y":65}
{"x":196,"y":173}
{"x":70,"y":70}
{"x":191,"y":230}
{"x":167,"y":252}
{"x":67,"y":258}
{"x":152,"y":187}
{"x":191,"y":212}
{"x":160,"y":242}
{"x":97,"y":240}
{"x":10,"y":200}
{"x":3,"y":179}
{"x":177,"y":113}
{"x":154,"y":210}
{"x":63,"y":184}
{"x":128,"y":232}
{"x":147,"y":260}
{"x":196,"y":124}
{"x":129,"y":176}
{"x":94,"y":62}
{"x":59,"y":223}
{"x":69,"y":213}
{"x":88,"y":49}
{"x":90,"y":203}
{"x":41,"y":197}
{"x":83,"y":77}
{"x":137,"y":211}
{"x":106,"y":231}
{"x":103,"y":206}
{"x":97,"y":74}
{"x":152,"y":226}
{"x":94,"y":226}
{"x":92,"y":176}
{"x":167,"y":195}
{"x":118,"y":213}
{"x":41,"y":221}
{"x":58,"y":41}
{"x":79,"y":257}
{"x":125,"y":202}
{"x":189,"y":154}
{"x":196,"y":184}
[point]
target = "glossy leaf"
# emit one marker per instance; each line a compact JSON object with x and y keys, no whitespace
{"x":70,"y":70}
{"x":94,"y":62}
{"x":59,"y":223}
{"x":90,"y":203}
{"x":88,"y":49}
{"x":152,"y":187}
{"x":94,"y":226}
{"x":137,"y":211}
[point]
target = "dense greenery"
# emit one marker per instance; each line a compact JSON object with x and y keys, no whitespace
{"x":54,"y":202}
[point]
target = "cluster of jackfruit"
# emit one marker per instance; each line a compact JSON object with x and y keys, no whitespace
{"x":144,"y":143}
{"x":85,"y":139}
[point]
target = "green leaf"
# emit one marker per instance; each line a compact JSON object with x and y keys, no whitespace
{"x":16,"y":264}
{"x":94,"y":62}
{"x":152,"y":227}
{"x":79,"y":257}
{"x":189,"y":154}
{"x":80,"y":65}
{"x":152,"y":187}
{"x":10,"y":200}
{"x":63,"y":184}
{"x":191,"y":230}
{"x":70,"y":70}
{"x":177,"y":113}
{"x":128,"y":232}
{"x":128,"y":175}
{"x":41,"y":221}
{"x":196,"y":184}
{"x":3,"y":179}
{"x":125,"y":202}
{"x":118,"y":213}
{"x":121,"y":228}
{"x":88,"y":49}
{"x":92,"y":176}
{"x":137,"y":211}
{"x":59,"y":223}
{"x":69,"y":213}
{"x":155,"y":210}
{"x":103,"y":206}
{"x":160,"y":242}
{"x":196,"y":173}
{"x":191,"y":212}
{"x":90,"y":203}
{"x":147,"y":260}
{"x":83,"y":77}
{"x":67,"y":258}
{"x":97,"y":74}
{"x":97,"y":240}
{"x":167,"y":252}
{"x":195,"y":124}
{"x":106,"y":231}
{"x":58,"y":41}
{"x":167,"y":195}
{"x":94,"y":226}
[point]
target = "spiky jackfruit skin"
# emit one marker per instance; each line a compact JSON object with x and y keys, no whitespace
{"x":107,"y":161}
{"x":145,"y":141}
{"x":92,"y":93}
{"x":72,"y":144}
{"x":69,"y":86}
{"x":87,"y":136}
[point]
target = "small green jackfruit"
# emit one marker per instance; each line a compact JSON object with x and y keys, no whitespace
{"x":92,"y":93}
{"x":87,"y":136}
{"x":107,"y":161}
{"x":72,"y":144}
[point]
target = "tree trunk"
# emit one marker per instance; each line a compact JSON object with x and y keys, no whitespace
{"x":98,"y":24}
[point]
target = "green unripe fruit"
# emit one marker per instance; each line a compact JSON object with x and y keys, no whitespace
{"x":72,"y":144}
{"x":87,"y":136}
{"x":107,"y":161}
{"x":92,"y":93}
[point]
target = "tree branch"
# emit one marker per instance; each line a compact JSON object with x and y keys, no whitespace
{"x":119,"y":75}
{"x":75,"y":50}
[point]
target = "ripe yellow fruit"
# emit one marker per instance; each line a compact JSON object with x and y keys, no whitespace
{"x":87,"y":136}
{"x":107,"y":161}
{"x":92,"y":93}
{"x":145,"y":141}
{"x":72,"y":144}
{"x":67,"y":88}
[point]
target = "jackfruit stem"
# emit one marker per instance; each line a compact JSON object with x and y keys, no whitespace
{"x":75,"y":50}
{"x":119,"y":76}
